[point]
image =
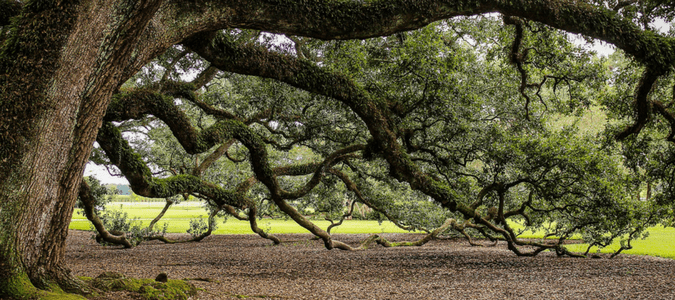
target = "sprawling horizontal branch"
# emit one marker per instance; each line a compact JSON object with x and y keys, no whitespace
{"x":177,"y":20}
{"x":449,"y":223}
{"x":141,"y":181}
{"x":136,"y":104}
{"x":226,"y":55}
{"x":359,"y":19}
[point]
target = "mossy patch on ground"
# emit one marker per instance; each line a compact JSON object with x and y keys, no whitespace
{"x":21,"y":288}
{"x":145,"y":288}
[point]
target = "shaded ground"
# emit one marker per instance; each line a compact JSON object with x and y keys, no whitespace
{"x":246,"y":265}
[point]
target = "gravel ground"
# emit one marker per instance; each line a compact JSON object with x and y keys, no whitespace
{"x":240,"y":266}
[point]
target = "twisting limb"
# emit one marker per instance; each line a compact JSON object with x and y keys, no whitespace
{"x":230,"y":210}
{"x":481,"y":195}
{"x":303,"y":170}
{"x":205,"y":77}
{"x":142,"y":183}
{"x":194,"y":239}
{"x":670,"y":118}
{"x":482,"y":231}
{"x":103,"y":234}
{"x":642,"y":105}
{"x":136,"y":172}
{"x":297,"y":170}
{"x":212,"y":111}
{"x":213,"y":157}
{"x":432,"y":235}
{"x":352,"y":187}
{"x":342,"y":218}
{"x":169,"y":69}
{"x":253,"y":220}
{"x":461,"y":229}
{"x":154,"y":221}
{"x":513,"y":242}
{"x":517,"y":58}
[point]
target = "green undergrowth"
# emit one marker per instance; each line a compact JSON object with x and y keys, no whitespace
{"x":145,"y":288}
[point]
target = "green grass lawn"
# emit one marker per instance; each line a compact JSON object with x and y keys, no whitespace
{"x":661,"y":241}
{"x":179,"y":217}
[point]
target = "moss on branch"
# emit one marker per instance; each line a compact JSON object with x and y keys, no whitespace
{"x":138,"y":174}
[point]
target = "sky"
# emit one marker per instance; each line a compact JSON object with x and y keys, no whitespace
{"x":102,"y":174}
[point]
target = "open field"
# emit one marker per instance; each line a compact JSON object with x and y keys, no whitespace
{"x":659,"y":243}
{"x":179,"y":217}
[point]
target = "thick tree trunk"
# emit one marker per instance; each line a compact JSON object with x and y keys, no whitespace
{"x":54,"y":96}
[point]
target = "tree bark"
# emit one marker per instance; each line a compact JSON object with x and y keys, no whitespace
{"x":53,"y":100}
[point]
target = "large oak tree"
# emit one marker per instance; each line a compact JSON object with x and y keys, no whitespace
{"x":61,"y":62}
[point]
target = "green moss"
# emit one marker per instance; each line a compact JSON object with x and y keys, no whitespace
{"x":145,"y":288}
{"x":57,"y":293}
{"x":20,"y":287}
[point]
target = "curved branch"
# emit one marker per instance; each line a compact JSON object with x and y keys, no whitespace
{"x":253,"y":211}
{"x":160,"y":215}
{"x":213,"y":157}
{"x":342,"y":218}
{"x":142,"y":183}
{"x":357,"y":19}
{"x":193,"y":239}
{"x":225,"y":54}
{"x":205,"y":77}
{"x":517,"y":57}
{"x":642,"y":103}
{"x":103,"y":234}
{"x":663,"y":111}
{"x":432,"y":235}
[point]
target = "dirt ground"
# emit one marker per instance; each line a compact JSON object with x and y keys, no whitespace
{"x":241,"y":266}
